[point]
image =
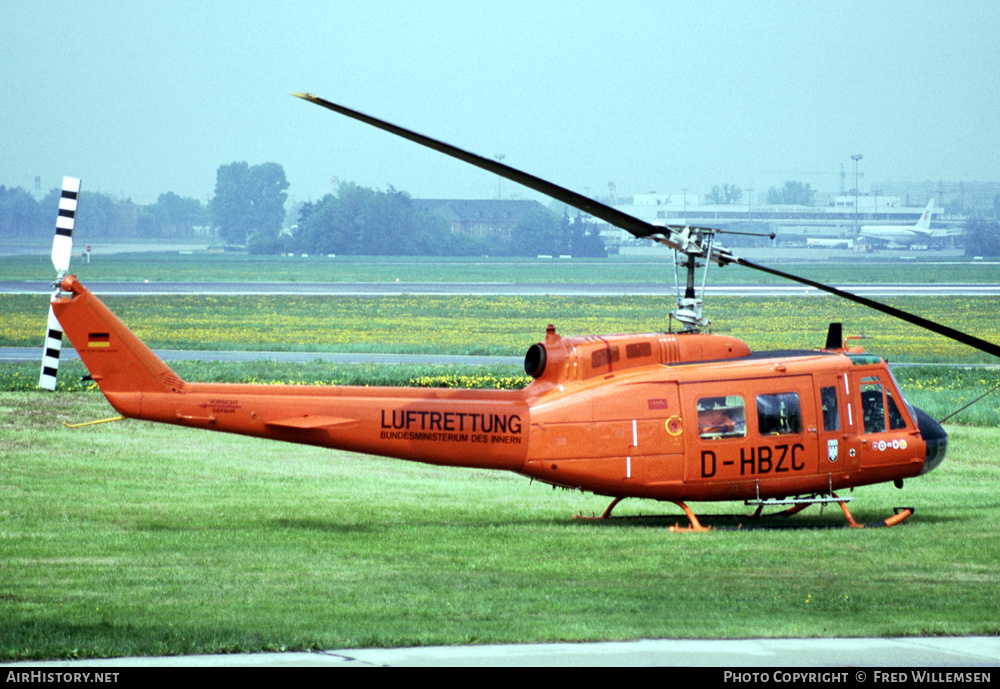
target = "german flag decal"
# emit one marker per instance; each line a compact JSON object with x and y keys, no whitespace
{"x":99,"y":340}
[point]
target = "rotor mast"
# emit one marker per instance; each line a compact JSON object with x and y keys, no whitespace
{"x":690,"y":300}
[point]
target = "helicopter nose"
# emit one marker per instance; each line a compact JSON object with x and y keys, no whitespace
{"x":934,"y":437}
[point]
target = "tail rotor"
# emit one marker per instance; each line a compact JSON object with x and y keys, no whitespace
{"x":62,"y":249}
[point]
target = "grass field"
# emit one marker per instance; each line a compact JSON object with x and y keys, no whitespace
{"x":142,"y":539}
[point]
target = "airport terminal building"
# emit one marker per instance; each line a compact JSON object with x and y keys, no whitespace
{"x":835,"y":223}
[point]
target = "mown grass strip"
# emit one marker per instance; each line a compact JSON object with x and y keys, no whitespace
{"x":142,"y":539}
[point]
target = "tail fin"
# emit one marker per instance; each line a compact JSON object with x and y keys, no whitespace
{"x":924,"y":224}
{"x":119,"y":362}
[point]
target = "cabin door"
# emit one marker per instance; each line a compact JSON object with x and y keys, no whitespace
{"x":749,"y":430}
{"x":836,"y":425}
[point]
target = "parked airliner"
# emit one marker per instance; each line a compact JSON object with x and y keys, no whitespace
{"x":921,"y":233}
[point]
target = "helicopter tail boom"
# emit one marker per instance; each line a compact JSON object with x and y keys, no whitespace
{"x":473,"y":428}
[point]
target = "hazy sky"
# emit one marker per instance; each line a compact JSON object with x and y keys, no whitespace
{"x":140,"y":98}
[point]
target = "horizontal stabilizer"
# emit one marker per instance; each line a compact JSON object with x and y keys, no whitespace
{"x":308,"y":422}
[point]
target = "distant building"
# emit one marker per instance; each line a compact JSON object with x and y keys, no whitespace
{"x":488,"y":219}
{"x":956,"y":197}
{"x":867,"y":203}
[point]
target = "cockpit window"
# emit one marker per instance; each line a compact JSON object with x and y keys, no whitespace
{"x":900,"y":396}
{"x":879,"y":406}
{"x":872,"y":406}
{"x":896,"y":420}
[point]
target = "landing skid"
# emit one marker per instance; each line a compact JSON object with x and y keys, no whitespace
{"x":694,"y":524}
{"x":900,"y":514}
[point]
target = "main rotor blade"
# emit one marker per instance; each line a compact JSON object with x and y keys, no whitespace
{"x":668,"y":235}
{"x":957,"y":335}
{"x":676,"y":237}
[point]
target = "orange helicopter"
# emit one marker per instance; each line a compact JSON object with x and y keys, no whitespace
{"x":676,"y":416}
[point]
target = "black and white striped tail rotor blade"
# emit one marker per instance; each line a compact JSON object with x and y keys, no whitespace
{"x":50,"y":357}
{"x":62,"y":244}
{"x":62,"y":249}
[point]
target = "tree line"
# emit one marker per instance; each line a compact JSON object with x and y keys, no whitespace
{"x":982,"y":234}
{"x":248,"y":210}
{"x":104,"y":217}
{"x":791,"y":194}
{"x":248,"y":201}
{"x":358,"y":220}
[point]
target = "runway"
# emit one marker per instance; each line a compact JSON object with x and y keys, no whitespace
{"x":370,"y":289}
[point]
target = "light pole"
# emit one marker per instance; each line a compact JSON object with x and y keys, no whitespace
{"x":856,"y":157}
